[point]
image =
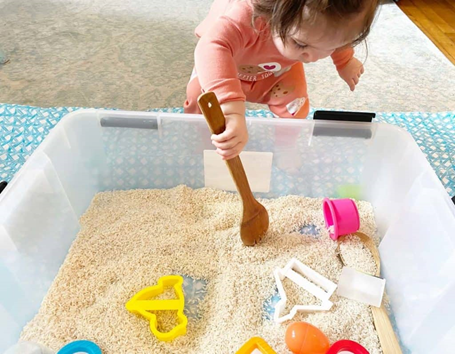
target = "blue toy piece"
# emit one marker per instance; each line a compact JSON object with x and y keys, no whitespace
{"x":80,"y":346}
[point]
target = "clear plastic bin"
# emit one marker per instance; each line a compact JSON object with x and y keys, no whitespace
{"x":96,"y":150}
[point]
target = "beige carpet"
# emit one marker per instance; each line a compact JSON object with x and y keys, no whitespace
{"x":138,"y":54}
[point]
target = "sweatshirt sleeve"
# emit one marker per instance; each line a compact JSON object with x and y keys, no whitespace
{"x":342,"y":56}
{"x":214,"y":59}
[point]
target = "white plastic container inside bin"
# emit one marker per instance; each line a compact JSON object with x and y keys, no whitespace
{"x":96,"y":150}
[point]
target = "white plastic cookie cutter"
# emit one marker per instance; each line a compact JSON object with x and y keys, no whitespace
{"x":319,"y":286}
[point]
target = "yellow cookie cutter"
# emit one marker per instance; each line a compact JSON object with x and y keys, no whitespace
{"x":141,"y":304}
{"x":256,"y":343}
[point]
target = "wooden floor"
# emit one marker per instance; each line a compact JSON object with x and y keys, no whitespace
{"x":436,"y":18}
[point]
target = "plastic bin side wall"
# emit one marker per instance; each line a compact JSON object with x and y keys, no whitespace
{"x":39,"y":213}
{"x":417,"y":221}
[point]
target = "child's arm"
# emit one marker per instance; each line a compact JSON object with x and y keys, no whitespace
{"x":217,"y":72}
{"x":349,"y":68}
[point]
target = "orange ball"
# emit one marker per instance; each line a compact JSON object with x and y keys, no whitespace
{"x":304,"y":338}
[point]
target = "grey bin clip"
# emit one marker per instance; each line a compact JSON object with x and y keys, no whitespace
{"x":129,"y":122}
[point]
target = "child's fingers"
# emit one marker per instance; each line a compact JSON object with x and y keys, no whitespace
{"x":228,"y":154}
{"x":351,"y":84}
{"x":224,"y":136}
{"x":356,"y":80}
{"x":226,"y":144}
{"x":361,"y":71}
{"x":231,"y":155}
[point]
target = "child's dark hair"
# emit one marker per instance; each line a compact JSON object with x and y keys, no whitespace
{"x":284,"y":16}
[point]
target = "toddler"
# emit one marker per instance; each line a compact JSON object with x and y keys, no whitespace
{"x":253,"y":50}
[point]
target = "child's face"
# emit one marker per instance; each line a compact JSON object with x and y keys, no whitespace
{"x":295,"y":48}
{"x":312,"y":43}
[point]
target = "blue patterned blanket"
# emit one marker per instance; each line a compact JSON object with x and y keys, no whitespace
{"x":23,"y":128}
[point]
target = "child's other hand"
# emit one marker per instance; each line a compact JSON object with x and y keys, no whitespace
{"x":231,"y":142}
{"x":351,"y":73}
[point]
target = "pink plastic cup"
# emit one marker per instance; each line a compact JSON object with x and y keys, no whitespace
{"x":341,"y":217}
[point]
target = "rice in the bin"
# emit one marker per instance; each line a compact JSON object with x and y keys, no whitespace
{"x":129,"y":239}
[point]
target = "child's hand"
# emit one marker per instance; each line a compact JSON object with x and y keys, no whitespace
{"x":231,"y":142}
{"x":351,"y":73}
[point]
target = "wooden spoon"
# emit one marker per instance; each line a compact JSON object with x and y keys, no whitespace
{"x":386,"y":334}
{"x":255,"y":220}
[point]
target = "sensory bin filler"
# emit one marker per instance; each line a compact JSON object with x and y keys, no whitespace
{"x":341,"y":218}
